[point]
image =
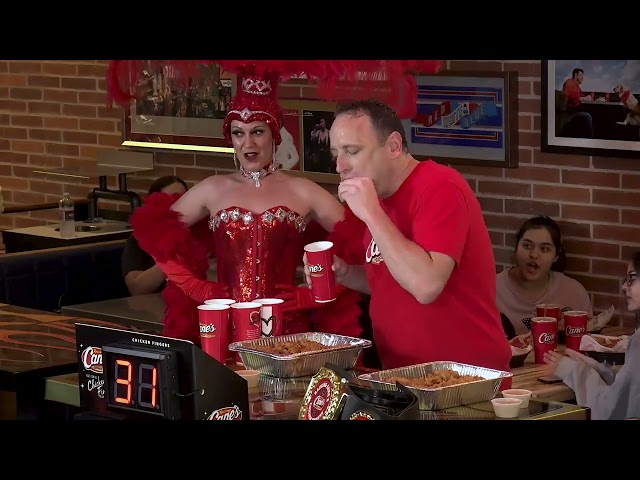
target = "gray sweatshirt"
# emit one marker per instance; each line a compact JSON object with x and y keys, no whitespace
{"x":610,"y":396}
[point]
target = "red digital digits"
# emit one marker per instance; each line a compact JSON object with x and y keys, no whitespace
{"x":147,"y":391}
{"x":123,"y":381}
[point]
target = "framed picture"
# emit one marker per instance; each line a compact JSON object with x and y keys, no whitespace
{"x":178,"y":117}
{"x":310,"y":138}
{"x":590,"y":107}
{"x":466,"y":118}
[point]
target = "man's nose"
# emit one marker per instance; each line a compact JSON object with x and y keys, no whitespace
{"x":341,"y":165}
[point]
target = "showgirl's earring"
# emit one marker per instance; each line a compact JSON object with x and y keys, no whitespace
{"x":235,"y":161}
{"x":274,"y":161}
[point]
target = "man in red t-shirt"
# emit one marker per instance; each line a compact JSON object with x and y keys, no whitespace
{"x":573,"y":92}
{"x":429,"y":264}
{"x":579,"y":124}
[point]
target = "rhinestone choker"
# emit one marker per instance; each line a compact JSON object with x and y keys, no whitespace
{"x":258,"y":176}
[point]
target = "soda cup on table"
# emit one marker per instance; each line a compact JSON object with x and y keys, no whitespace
{"x":549,"y":310}
{"x":245,"y":323}
{"x":545,"y":336}
{"x":320,"y":264}
{"x":224,"y":301}
{"x":271,"y":315}
{"x":575,"y":327}
{"x":214,"y":330}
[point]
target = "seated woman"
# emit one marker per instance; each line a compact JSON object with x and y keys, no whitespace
{"x":140,"y":272}
{"x":537,"y":277}
{"x":610,"y":396}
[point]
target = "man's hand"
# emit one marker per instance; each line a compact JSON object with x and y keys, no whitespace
{"x":361,"y":196}
{"x":340,"y":269}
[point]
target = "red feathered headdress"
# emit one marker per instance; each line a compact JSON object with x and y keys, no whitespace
{"x":256,"y":100}
{"x":390,"y":81}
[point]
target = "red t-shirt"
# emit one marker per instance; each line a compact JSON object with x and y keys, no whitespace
{"x":573,"y":92}
{"x":436,"y":209}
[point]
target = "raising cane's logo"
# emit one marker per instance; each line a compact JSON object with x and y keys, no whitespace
{"x":226,"y":413}
{"x":574,"y":331}
{"x":92,"y":359}
{"x":373,"y":254}
{"x":320,"y":399}
{"x":546,"y":338}
{"x":316,"y":270}
{"x":210,"y":328}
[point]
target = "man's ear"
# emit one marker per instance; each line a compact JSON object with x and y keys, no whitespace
{"x":394,"y":143}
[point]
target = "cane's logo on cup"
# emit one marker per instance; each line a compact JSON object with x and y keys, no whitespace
{"x":316,"y":270}
{"x":209,"y":328}
{"x":226,"y":413}
{"x":575,"y":330}
{"x":92,"y":359}
{"x":546,"y":338}
{"x":373,"y":254}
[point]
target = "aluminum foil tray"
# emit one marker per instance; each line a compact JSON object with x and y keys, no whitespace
{"x":444,"y":397}
{"x":344,"y":353}
{"x":282,"y":389}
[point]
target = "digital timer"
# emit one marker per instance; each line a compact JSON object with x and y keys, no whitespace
{"x":139,"y":379}
{"x":131,"y":375}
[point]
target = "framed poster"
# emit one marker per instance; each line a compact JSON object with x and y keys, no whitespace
{"x":466,"y":118}
{"x":180,"y":117}
{"x":590,"y":107}
{"x":311,"y":138}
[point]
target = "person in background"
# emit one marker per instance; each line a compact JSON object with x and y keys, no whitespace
{"x":609,"y":395}
{"x":253,"y":221}
{"x":140,"y":272}
{"x":580,"y":123}
{"x":537,"y":277}
{"x":428,"y":261}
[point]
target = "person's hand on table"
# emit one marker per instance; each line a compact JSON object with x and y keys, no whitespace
{"x":552,"y":359}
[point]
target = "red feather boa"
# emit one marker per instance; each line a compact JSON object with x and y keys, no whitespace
{"x":160,"y":231}
{"x":390,"y":81}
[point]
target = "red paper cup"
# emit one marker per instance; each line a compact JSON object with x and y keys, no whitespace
{"x":219,"y":301}
{"x":549,"y":310}
{"x":545,"y":336}
{"x":575,"y":326}
{"x":271,"y":316}
{"x":320,"y":263}
{"x":223,"y":301}
{"x":214,"y":330}
{"x":245,"y":323}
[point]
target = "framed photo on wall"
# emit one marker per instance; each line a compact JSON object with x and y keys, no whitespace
{"x":180,"y":117}
{"x":590,"y":107}
{"x":466,"y":118}
{"x":311,"y":138}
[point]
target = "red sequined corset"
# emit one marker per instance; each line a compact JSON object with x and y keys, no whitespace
{"x":257,"y":251}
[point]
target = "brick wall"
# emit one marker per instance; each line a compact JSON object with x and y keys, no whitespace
{"x":53,"y":114}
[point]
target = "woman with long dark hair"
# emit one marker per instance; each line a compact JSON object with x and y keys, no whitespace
{"x":537,"y":277}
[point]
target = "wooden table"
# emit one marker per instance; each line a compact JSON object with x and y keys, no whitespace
{"x":141,"y":311}
{"x":35,"y":345}
{"x":527,"y":376}
{"x":64,"y":390}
